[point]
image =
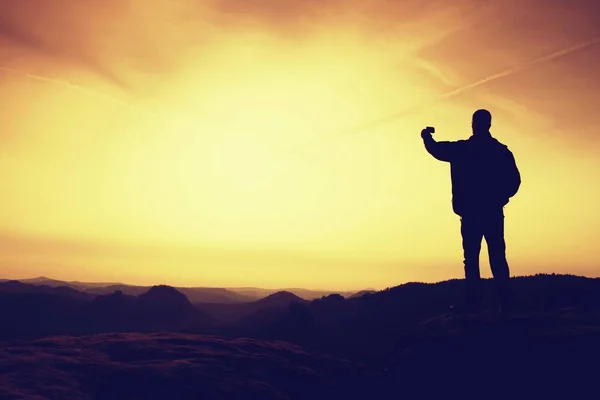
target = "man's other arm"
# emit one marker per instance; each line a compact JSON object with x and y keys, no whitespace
{"x":443,"y":151}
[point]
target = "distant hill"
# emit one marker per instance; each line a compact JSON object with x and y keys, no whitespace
{"x":126,"y":289}
{"x":28,"y":311}
{"x":213,"y":295}
{"x":363,"y":293}
{"x":279,"y":298}
{"x":42,"y":280}
{"x":306,"y":294}
{"x":17,"y":287}
{"x":195,"y":294}
{"x":241,"y":318}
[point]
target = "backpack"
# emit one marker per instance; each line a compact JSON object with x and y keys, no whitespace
{"x":509,"y":175}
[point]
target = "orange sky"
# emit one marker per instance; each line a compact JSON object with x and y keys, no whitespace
{"x":156,"y":141}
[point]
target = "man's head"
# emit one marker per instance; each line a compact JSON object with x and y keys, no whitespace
{"x":482,"y":121}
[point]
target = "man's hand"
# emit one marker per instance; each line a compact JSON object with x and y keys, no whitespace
{"x":427,"y":132}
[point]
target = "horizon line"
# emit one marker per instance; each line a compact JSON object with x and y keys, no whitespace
{"x":282,"y":288}
{"x":109,"y":283}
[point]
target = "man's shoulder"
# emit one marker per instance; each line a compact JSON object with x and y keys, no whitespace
{"x":501,"y":146}
{"x":505,"y":149}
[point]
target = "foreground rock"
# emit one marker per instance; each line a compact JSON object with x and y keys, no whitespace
{"x":172,"y":366}
{"x":490,"y":355}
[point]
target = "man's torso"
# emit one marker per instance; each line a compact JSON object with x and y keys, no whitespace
{"x":476,"y":175}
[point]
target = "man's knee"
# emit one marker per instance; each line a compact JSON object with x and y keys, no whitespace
{"x":471,"y":264}
{"x":499,"y":265}
{"x":497,"y":253}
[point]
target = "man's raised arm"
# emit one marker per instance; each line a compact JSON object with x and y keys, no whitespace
{"x":443,"y":151}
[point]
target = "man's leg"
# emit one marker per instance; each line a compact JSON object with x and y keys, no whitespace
{"x":472,"y":234}
{"x":494,"y":237}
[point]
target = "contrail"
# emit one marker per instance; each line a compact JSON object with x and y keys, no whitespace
{"x":523,"y":67}
{"x":452,"y":93}
{"x":71,"y":86}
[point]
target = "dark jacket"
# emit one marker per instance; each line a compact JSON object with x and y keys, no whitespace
{"x":483,"y":171}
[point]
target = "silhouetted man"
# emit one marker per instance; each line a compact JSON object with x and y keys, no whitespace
{"x":484,"y":177}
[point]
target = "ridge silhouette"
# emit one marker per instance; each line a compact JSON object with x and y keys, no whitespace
{"x":393,"y":342}
{"x":333,"y":316}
